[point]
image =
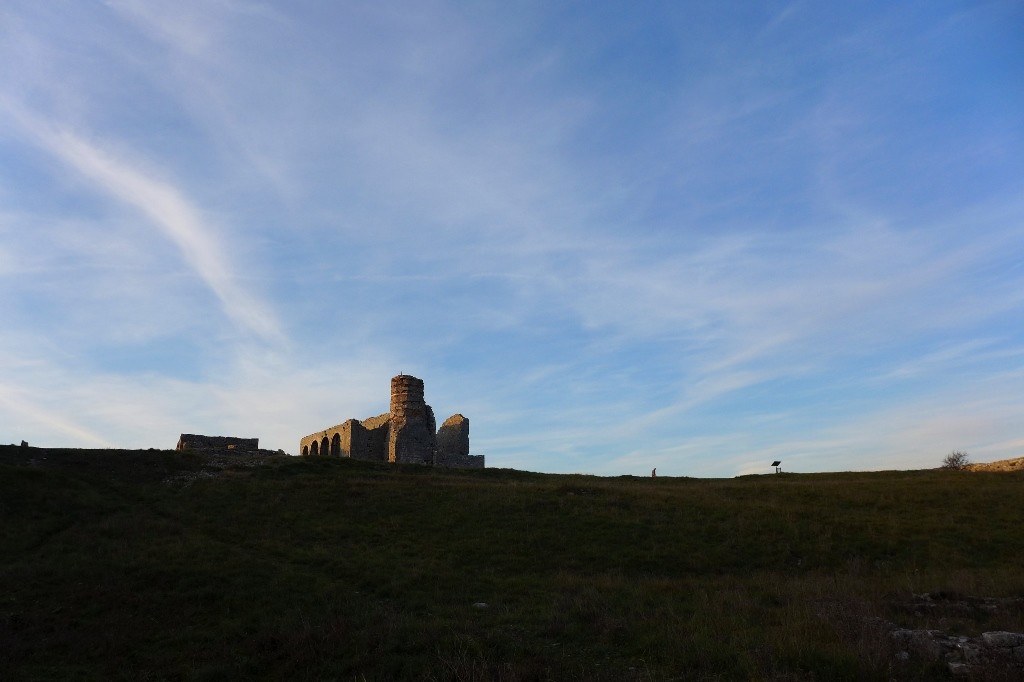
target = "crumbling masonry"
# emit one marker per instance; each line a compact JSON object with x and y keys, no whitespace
{"x":405,"y":434}
{"x":223,"y":445}
{"x":192,"y":441}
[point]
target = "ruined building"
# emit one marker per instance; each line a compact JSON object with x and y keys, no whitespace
{"x":192,"y":441}
{"x":407,"y":433}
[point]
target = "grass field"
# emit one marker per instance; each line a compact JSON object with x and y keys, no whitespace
{"x":126,"y":565}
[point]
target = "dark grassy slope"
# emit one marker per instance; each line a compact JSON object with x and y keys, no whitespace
{"x":332,"y":569}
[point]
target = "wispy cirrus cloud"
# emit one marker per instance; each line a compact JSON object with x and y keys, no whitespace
{"x":166,"y":208}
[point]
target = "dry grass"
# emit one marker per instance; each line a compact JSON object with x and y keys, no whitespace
{"x":320,"y":569}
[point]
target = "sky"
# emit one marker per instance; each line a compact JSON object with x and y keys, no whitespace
{"x":696,"y":236}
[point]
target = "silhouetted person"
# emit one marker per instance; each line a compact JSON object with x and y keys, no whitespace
{"x":654,"y":472}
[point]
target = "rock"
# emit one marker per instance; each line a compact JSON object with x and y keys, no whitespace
{"x":966,"y":657}
{"x":1003,"y":640}
{"x":480,"y":605}
{"x":919,"y":641}
{"x":970,"y":652}
{"x":959,"y":669}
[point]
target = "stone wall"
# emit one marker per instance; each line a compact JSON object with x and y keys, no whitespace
{"x":365,"y":440}
{"x":378,"y":429}
{"x":192,"y":441}
{"x":453,"y":445}
{"x":404,"y":434}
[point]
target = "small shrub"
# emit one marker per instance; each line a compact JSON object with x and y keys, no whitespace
{"x":958,"y":459}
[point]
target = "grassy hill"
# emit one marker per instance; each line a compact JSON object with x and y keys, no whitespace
{"x":156,"y":565}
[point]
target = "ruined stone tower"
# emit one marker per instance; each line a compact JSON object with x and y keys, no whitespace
{"x":412,"y":438}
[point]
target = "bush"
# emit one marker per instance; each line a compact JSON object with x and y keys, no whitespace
{"x":957,"y":459}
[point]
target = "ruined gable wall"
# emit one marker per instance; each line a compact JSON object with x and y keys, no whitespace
{"x":453,"y":445}
{"x":453,"y":438}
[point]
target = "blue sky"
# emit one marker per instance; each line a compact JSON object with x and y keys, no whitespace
{"x":617,"y":236}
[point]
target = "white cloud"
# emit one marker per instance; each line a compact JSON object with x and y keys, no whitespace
{"x":260,"y":392}
{"x":166,"y":207}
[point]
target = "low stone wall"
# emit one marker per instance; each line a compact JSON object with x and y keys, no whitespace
{"x":462,"y":462}
{"x":193,"y":441}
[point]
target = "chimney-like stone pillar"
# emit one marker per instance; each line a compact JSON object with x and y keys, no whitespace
{"x":412,"y":437}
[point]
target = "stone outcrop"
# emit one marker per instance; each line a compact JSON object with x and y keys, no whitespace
{"x":1016,"y":464}
{"x":996,"y":654}
{"x":407,"y":434}
{"x":981,"y":657}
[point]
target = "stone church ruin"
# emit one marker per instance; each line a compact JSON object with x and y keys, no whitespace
{"x":407,"y":433}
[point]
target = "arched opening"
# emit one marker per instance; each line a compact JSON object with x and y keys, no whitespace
{"x":325,"y":447}
{"x":336,"y":445}
{"x":305,"y":450}
{"x":313,"y":449}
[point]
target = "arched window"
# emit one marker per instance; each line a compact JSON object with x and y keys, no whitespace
{"x":313,"y":449}
{"x":305,"y":450}
{"x":336,"y":445}
{"x":325,"y":447}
